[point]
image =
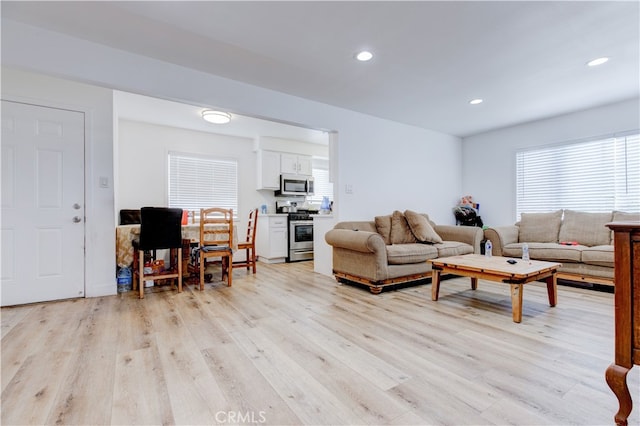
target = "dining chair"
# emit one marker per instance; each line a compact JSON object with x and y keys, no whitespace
{"x":160,"y":228}
{"x":250,"y":243}
{"x":216,"y":240}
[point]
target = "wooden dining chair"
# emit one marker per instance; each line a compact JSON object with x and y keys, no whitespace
{"x":160,"y":228}
{"x":250,"y":243}
{"x":216,"y":240}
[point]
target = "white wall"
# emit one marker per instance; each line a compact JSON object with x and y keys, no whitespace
{"x":97,"y":105}
{"x":142,"y":163}
{"x":389,"y":165}
{"x":488,"y":160}
{"x":296,"y":147}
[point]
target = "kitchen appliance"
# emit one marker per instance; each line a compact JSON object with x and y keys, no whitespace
{"x":300,"y":236}
{"x":296,"y":185}
{"x":286,"y":206}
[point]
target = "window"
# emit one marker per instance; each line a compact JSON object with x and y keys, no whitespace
{"x":322,"y":186}
{"x":594,"y":176}
{"x":198,"y":181}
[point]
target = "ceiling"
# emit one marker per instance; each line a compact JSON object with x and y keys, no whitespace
{"x":525,"y":59}
{"x":147,"y":109}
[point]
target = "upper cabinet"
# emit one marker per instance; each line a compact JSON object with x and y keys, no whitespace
{"x":295,"y":164}
{"x":268,"y":170}
{"x":271,"y":164}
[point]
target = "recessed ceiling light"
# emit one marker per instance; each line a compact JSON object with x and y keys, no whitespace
{"x":597,"y":61}
{"x":216,"y":117}
{"x":476,"y":101}
{"x":364,"y":56}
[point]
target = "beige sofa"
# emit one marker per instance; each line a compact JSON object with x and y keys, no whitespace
{"x":581,"y":241}
{"x":394,"y":249}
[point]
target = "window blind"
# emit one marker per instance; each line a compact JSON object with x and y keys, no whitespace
{"x":197,"y":182}
{"x":322,"y":186}
{"x":595,"y":176}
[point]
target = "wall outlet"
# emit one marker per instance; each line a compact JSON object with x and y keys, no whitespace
{"x":348,"y":189}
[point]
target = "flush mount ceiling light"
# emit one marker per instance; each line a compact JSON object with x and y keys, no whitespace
{"x":216,"y":117}
{"x":476,"y":101}
{"x":597,"y":61}
{"x":364,"y":56}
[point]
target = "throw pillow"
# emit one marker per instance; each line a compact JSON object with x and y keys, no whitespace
{"x":400,"y":231}
{"x":587,"y":229}
{"x":540,"y":227}
{"x":421,"y":228}
{"x":619,"y":216}
{"x":383,"y":226}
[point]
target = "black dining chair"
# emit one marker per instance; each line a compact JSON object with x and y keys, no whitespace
{"x":160,"y":228}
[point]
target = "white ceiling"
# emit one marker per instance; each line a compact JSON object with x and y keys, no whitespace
{"x":146,"y":109}
{"x":525,"y":59}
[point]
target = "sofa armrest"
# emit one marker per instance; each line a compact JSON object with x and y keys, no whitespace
{"x":500,"y":236}
{"x":360,"y":254}
{"x":471,"y":235}
{"x":362,"y":241}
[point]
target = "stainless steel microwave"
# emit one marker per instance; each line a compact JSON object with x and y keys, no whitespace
{"x":295,"y":185}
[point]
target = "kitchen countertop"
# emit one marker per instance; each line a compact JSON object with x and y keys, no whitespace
{"x":285,"y":214}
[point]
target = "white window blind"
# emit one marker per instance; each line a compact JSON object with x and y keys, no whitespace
{"x":594,"y":176}
{"x":322,"y":186}
{"x":197,"y":182}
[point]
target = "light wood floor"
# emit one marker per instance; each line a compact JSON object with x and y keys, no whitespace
{"x":288,"y":347}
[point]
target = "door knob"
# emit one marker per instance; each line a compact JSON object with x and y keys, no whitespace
{"x":77,"y":219}
{"x":76,"y":206}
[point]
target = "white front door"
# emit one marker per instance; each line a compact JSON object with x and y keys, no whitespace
{"x":42,"y":203}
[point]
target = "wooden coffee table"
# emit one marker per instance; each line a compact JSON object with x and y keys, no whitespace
{"x":496,"y":268}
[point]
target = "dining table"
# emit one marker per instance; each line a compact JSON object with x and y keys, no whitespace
{"x":125,"y":234}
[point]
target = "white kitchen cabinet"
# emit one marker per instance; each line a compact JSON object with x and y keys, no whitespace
{"x":271,"y":238}
{"x":268,"y":170}
{"x":295,"y":164}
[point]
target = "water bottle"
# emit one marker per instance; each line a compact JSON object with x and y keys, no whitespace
{"x":525,"y":252}
{"x":487,"y":248}
{"x":124,"y":279}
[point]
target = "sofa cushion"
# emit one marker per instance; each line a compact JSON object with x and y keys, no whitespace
{"x":400,"y":254}
{"x":551,"y":252}
{"x":598,"y":255}
{"x":625,"y":217}
{"x":587,"y":229}
{"x":453,"y":248}
{"x":619,"y":216}
{"x":383,"y":226}
{"x":421,"y":228}
{"x":540,"y":227}
{"x":400,"y":231}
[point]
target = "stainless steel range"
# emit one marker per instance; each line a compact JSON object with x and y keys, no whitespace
{"x":300,"y":236}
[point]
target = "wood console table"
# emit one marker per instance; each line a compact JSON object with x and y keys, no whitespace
{"x":627,"y":314}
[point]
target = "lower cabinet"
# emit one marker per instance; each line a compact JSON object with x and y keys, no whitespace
{"x":271,"y":239}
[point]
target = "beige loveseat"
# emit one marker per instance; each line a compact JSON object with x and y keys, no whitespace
{"x":581,"y":241}
{"x":394,"y":249}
